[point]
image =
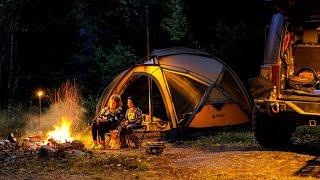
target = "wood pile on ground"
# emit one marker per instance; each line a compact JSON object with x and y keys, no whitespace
{"x":7,"y":148}
{"x":44,"y":148}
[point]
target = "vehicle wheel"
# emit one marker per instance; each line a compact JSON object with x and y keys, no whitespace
{"x":271,"y":132}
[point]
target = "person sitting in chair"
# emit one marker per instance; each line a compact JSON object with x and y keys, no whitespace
{"x":109,"y":119}
{"x":133,"y":120}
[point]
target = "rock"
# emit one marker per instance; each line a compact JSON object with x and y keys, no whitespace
{"x":77,"y":144}
{"x":76,"y":152}
{"x":47,"y":151}
{"x":64,"y":146}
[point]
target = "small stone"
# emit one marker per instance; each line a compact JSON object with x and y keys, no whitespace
{"x":77,"y":153}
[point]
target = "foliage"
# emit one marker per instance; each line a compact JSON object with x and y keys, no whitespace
{"x":91,"y":41}
{"x":113,"y":61}
{"x":13,"y":120}
{"x":89,"y":104}
{"x":175,"y":23}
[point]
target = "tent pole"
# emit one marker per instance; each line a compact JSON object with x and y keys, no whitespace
{"x":147,"y":31}
{"x":150,"y":96}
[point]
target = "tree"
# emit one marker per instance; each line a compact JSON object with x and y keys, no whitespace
{"x":175,"y":23}
{"x":10,"y":12}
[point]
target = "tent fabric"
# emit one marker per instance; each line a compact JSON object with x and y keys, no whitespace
{"x":189,"y":85}
{"x":181,"y":87}
{"x":159,"y":53}
{"x":106,"y":92}
{"x":203,"y":66}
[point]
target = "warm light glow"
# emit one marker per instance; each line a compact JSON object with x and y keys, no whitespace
{"x":40,"y":93}
{"x":61,"y":133}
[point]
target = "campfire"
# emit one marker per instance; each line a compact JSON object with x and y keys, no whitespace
{"x":61,"y":134}
{"x":66,"y":108}
{"x":56,"y":141}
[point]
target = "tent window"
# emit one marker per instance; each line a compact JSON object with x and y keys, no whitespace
{"x":138,"y":87}
{"x":186,"y":93}
{"x":216,"y":97}
{"x":229,"y":86}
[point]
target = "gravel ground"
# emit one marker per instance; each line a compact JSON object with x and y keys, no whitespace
{"x":188,"y":160}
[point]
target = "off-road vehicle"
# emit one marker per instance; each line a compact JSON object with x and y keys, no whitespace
{"x":287,"y":93}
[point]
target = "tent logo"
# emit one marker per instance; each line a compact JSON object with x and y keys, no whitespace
{"x":217,"y":115}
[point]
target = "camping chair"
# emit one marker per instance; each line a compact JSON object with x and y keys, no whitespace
{"x":132,"y":140}
{"x":153,"y":148}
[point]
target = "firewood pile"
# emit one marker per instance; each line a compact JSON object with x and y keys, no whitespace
{"x":52,"y":148}
{"x":13,"y":152}
{"x":33,"y":143}
{"x":7,"y":148}
{"x":55,"y":149}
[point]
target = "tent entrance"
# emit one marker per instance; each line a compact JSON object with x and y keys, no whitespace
{"x":149,"y":99}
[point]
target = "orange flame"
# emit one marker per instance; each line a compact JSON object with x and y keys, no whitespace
{"x":61,"y":133}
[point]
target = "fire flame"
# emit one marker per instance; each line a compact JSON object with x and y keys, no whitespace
{"x":61,"y":133}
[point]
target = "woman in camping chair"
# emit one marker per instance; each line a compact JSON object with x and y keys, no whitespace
{"x":109,"y":119}
{"x":133,"y":120}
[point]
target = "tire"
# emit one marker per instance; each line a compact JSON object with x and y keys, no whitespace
{"x":271,"y":132}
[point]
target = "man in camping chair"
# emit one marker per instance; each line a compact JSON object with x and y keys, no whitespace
{"x":133,"y":120}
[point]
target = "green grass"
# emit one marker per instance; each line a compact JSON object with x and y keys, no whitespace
{"x":303,"y":130}
{"x":223,"y":138}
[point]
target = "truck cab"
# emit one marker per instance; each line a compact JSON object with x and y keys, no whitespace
{"x":287,"y":93}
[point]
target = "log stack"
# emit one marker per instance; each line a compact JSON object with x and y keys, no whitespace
{"x":55,"y":149}
{"x":52,"y":148}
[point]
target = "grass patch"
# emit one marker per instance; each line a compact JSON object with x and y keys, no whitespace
{"x":13,"y":120}
{"x":307,"y":134}
{"x":303,"y":130}
{"x":224,"y":139}
{"x":96,"y":165}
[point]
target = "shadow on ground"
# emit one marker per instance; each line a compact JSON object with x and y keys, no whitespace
{"x":311,"y":169}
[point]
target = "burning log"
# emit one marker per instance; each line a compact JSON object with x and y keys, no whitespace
{"x":53,"y":143}
{"x":35,"y":139}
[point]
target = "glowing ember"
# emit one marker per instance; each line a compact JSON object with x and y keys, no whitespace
{"x":61,"y":133}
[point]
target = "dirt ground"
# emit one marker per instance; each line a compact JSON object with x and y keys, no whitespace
{"x":193,"y":159}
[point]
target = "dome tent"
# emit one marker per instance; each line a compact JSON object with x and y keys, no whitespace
{"x":182,"y":87}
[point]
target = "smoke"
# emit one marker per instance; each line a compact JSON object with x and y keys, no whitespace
{"x":65,"y":103}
